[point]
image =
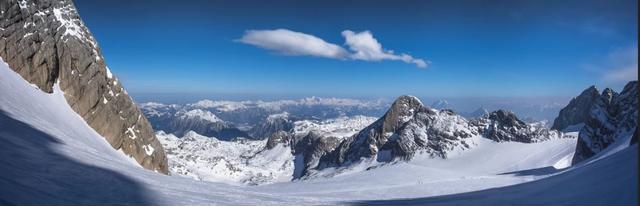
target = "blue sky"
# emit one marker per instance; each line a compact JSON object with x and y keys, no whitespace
{"x":471,"y":48}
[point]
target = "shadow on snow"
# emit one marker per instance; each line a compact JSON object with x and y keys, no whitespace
{"x":33,"y":173}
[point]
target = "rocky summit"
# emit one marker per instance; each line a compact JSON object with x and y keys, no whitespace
{"x":577,"y":111}
{"x":613,"y":116}
{"x":409,"y":127}
{"x":504,"y":125}
{"x":47,"y":43}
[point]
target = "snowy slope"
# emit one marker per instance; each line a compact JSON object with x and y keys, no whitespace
{"x":209,"y":159}
{"x":612,"y":181}
{"x":51,"y":157}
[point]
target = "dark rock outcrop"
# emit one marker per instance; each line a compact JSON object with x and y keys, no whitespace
{"x":502,"y":125}
{"x":611,"y":118}
{"x":309,"y":148}
{"x":271,"y":125}
{"x":47,"y":43}
{"x":280,"y":137}
{"x":578,"y":110}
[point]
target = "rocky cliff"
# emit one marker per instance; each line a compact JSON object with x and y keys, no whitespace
{"x":613,"y":117}
{"x":504,"y":126}
{"x":577,"y":111}
{"x":47,"y":43}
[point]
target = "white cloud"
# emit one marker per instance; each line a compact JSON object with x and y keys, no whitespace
{"x":365,"y":47}
{"x":362,"y":46}
{"x":293,"y":43}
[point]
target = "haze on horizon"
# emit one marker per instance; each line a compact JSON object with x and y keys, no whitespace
{"x":434,"y":49}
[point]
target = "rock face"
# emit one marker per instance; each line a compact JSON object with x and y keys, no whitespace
{"x":308,"y":148}
{"x":408,"y":128}
{"x":47,"y":43}
{"x":272,"y":124}
{"x":503,"y":126}
{"x":611,"y":118}
{"x":578,"y":110}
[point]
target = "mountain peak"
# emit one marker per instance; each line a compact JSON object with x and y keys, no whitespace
{"x":408,"y":99}
{"x":578,"y":109}
{"x":440,"y":104}
{"x":401,"y":111}
{"x":506,"y":117}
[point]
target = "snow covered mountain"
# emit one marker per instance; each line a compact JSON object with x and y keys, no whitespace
{"x":440,"y":104}
{"x":256,"y":119}
{"x":178,"y":120}
{"x":254,"y":162}
{"x":209,"y":159}
{"x":58,"y":159}
{"x":47,"y":43}
{"x":503,"y":125}
{"x":272,"y":124}
{"x":612,"y":118}
{"x":408,"y":128}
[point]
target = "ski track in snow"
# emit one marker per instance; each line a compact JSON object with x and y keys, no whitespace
{"x":80,"y":167}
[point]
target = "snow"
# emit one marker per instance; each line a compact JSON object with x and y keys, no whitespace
{"x":71,"y":28}
{"x":26,"y":25}
{"x":338,"y":127}
{"x":27,"y":35}
{"x":52,"y":157}
{"x":148,"y":149}
{"x":109,"y":74}
{"x":131,"y":131}
{"x":234,"y":162}
{"x":198,"y":113}
{"x":22,"y":4}
{"x":274,"y":117}
{"x":220,"y":105}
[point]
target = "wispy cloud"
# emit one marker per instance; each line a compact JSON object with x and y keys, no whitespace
{"x":622,"y":65}
{"x":362,"y":46}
